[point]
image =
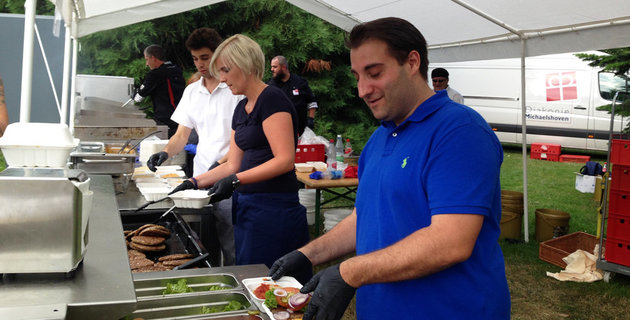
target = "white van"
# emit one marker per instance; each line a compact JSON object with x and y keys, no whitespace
{"x":563,"y":93}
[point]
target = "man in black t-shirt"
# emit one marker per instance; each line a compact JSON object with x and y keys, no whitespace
{"x":298,"y":91}
{"x":164,"y":83}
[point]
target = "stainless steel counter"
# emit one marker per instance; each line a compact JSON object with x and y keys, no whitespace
{"x":102,"y":286}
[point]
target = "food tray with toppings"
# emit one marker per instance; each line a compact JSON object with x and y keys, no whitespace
{"x":287,"y":302}
{"x":220,"y":305}
{"x":175,"y":285}
{"x":160,"y":246}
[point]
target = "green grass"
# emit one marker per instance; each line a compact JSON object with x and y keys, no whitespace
{"x":535,"y":296}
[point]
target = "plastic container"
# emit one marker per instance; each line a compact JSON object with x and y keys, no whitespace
{"x":194,"y":199}
{"x":618,"y":251}
{"x":551,"y":223}
{"x":303,"y":167}
{"x":511,"y":225}
{"x":152,"y":194}
{"x":331,"y":156}
{"x":339,"y":150}
{"x":512,"y":201}
{"x":32,"y":144}
{"x":347,"y":149}
{"x":309,"y":152}
{"x":252,"y":283}
{"x":554,"y":250}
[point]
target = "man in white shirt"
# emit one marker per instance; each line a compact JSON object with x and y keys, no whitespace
{"x":439,"y":76}
{"x":207,"y":106}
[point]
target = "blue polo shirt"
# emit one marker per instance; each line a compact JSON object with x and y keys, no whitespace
{"x":444,"y":159}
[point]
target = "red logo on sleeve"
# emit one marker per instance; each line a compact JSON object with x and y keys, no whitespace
{"x":561,"y":86}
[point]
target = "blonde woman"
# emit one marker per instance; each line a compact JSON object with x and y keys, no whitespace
{"x":259,"y":174}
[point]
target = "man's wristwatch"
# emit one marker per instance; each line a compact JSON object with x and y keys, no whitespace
{"x":235,"y":183}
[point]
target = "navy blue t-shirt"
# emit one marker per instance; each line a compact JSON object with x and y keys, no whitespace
{"x":250,"y":137}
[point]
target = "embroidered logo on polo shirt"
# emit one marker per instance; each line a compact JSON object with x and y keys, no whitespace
{"x":404,"y":163}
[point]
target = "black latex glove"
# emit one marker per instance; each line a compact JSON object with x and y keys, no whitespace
{"x":291,"y":264}
{"x":157,"y":159}
{"x":224,"y":188}
{"x":187,"y":184}
{"x":310,"y":122}
{"x":331,"y":296}
{"x":214,"y":165}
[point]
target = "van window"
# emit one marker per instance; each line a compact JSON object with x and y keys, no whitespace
{"x":609,"y":84}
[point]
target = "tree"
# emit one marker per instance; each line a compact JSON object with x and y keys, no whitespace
{"x":314,"y":48}
{"x":616,"y":61}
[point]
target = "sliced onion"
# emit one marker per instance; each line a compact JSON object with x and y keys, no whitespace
{"x":280,"y":292}
{"x":298,"y":300}
{"x":281,"y":315}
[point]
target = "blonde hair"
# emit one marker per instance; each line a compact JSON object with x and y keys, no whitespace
{"x":242,"y":52}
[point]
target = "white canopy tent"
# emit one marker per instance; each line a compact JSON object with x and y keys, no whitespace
{"x":455,"y":30}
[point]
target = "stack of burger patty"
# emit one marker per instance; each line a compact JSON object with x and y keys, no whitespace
{"x":150,"y":238}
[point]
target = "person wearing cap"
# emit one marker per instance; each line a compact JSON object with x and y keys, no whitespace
{"x":440,"y":82}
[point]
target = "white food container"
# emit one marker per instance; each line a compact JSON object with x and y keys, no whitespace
{"x":252,"y":283}
{"x":32,"y":144}
{"x":152,"y":194}
{"x":303,"y":167}
{"x":195,"y":199}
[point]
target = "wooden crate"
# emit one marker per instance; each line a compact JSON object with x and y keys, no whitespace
{"x":553,"y":250}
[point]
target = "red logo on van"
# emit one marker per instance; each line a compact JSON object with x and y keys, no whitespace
{"x":561,"y":86}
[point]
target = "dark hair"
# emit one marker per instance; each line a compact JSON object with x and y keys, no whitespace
{"x":439,"y":72}
{"x":155,"y":51}
{"x":400,"y":35}
{"x":203,"y":38}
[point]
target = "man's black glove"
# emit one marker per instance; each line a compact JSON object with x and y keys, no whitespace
{"x":187,"y":184}
{"x":157,"y":159}
{"x":293,"y":263}
{"x":214,"y":165}
{"x":224,"y":188}
{"x":310,"y":122}
{"x":331,"y":296}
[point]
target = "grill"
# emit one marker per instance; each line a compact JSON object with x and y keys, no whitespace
{"x":182,"y":240}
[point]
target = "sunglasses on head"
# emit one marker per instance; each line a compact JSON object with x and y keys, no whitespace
{"x":438,"y":80}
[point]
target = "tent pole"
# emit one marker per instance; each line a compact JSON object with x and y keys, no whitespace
{"x":66,"y":77}
{"x":524,"y":142}
{"x":75,"y":45}
{"x":27,"y":60}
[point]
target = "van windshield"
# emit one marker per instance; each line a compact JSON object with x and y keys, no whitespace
{"x":609,"y":84}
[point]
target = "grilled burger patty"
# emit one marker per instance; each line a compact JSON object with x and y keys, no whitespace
{"x":176,"y":256}
{"x":147,"y":240}
{"x":145,"y":248}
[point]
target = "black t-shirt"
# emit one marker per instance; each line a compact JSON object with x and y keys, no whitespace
{"x":250,"y":137}
{"x":299,"y":92}
{"x":165,"y":85}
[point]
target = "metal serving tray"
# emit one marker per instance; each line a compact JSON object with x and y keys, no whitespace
{"x":190,"y":306}
{"x":152,"y":288}
{"x":103,"y":163}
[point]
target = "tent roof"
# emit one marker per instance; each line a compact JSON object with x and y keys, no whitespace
{"x":455,"y":30}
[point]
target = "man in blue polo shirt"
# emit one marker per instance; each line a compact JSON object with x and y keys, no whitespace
{"x":426,"y":219}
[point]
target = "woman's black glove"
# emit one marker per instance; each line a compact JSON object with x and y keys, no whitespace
{"x":331,"y":296}
{"x":293,"y":263}
{"x":224,"y":188}
{"x":214,"y":165}
{"x":157,"y":159}
{"x":310,"y":122}
{"x":187,"y":184}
